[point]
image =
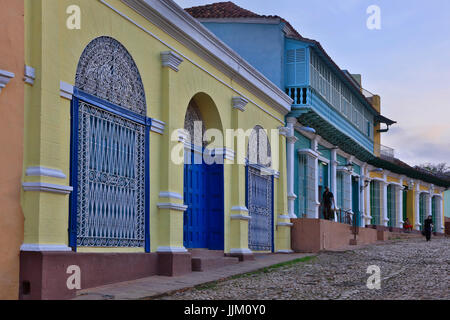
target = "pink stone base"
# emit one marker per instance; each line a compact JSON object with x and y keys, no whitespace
{"x":313,"y":235}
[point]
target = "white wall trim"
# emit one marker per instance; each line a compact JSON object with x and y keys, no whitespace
{"x":276,"y":174}
{"x":171,"y":60}
{"x":46,"y":187}
{"x":5,"y":78}
{"x":239,"y":209}
{"x":285,"y":251}
{"x":310,"y":152}
{"x":284,"y":224}
{"x":240,"y":217}
{"x":65,"y":90}
{"x":171,"y":18}
{"x":173,"y":206}
{"x":227,"y":153}
{"x":282,"y":216}
{"x":45,"y":172}
{"x":239,"y":103}
{"x":170,"y":195}
{"x":31,"y":247}
{"x":158,"y":126}
{"x":241,"y":251}
{"x":323,"y":159}
{"x":30,"y":75}
{"x":171,"y":249}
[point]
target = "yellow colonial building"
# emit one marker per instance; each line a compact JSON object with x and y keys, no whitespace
{"x":117,"y":181}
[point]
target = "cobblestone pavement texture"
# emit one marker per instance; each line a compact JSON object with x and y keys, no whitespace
{"x":412,"y":269}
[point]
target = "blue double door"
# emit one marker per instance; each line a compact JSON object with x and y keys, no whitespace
{"x":203,"y":194}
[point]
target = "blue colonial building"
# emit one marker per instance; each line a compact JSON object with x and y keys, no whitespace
{"x":333,"y":129}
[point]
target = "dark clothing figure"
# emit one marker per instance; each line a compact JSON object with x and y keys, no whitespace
{"x":327,"y":202}
{"x":427,"y":228}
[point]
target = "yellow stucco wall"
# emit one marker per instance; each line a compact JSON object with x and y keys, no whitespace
{"x":376,"y":175}
{"x":55,"y":50}
{"x":392,"y":179}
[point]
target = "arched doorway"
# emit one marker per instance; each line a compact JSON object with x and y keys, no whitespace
{"x":110,"y":138}
{"x":259,"y":192}
{"x":203,"y":185}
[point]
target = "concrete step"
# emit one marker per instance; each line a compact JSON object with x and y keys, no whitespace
{"x":199,"y":253}
{"x":396,"y":235}
{"x":200,"y":264}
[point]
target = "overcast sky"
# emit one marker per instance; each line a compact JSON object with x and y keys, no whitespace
{"x":407,"y":62}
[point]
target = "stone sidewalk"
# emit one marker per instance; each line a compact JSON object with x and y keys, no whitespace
{"x":157,"y":286}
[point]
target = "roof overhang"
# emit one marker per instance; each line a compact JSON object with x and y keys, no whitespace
{"x":180,"y":25}
{"x":309,"y":118}
{"x":382,"y":119}
{"x":409,"y":172}
{"x":263,"y":20}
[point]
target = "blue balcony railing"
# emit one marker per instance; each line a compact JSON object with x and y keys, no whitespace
{"x":300,"y":95}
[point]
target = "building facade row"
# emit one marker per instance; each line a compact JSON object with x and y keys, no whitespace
{"x":140,"y":132}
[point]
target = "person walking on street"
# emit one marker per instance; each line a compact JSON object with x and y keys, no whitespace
{"x":328,"y":199}
{"x":428,"y":227}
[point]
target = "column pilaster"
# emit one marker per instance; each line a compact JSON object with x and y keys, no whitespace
{"x":417,"y":223}
{"x":399,"y":207}
{"x":239,"y":218}
{"x":291,"y":140}
{"x":315,"y":144}
{"x":170,"y":205}
{"x":384,"y":207}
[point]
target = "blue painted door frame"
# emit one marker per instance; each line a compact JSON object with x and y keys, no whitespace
{"x":78,"y":96}
{"x":203,"y":225}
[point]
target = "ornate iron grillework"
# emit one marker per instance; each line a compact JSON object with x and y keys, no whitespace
{"x":260,"y":210}
{"x":107,"y":71}
{"x":111,"y":180}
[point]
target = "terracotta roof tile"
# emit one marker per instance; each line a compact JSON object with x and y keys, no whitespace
{"x":231,"y":10}
{"x":222,"y":10}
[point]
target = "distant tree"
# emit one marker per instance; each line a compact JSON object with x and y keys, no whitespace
{"x":439,"y":169}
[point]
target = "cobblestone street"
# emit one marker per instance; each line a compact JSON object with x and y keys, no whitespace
{"x":410,"y":269}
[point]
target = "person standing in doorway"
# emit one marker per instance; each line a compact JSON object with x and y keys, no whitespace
{"x":327,"y":201}
{"x":428,"y":227}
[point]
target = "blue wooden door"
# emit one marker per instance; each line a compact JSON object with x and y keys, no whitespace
{"x":355,"y":196}
{"x":260,"y":206}
{"x":203,"y":194}
{"x":214,"y":191}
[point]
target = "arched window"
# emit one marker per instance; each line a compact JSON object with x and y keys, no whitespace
{"x":107,"y":71}
{"x":259,"y":151}
{"x":259,"y":192}
{"x":194,"y":118}
{"x":109,"y":146}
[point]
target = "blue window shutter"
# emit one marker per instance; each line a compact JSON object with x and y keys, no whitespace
{"x":296,"y":67}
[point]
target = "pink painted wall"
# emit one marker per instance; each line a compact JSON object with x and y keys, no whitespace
{"x":11,"y":145}
{"x":313,"y":235}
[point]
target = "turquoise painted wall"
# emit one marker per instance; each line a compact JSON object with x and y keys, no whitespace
{"x":260,"y":44}
{"x":324,"y":152}
{"x":341,"y":160}
{"x":357,"y":169}
{"x":302,"y":143}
